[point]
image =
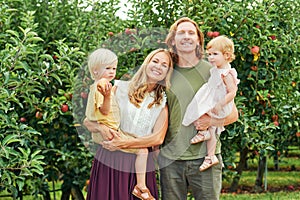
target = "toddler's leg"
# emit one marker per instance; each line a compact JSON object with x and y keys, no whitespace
{"x":212,"y":142}
{"x":210,"y":159}
{"x":140,"y":190}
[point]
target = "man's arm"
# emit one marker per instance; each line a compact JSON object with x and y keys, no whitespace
{"x":206,"y":121}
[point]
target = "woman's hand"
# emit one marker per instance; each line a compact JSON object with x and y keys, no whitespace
{"x":115,"y":143}
{"x":94,"y":127}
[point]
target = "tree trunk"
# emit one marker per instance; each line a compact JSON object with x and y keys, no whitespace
{"x":66,"y":192}
{"x":276,"y":162}
{"x":47,"y":195}
{"x":260,"y":173}
{"x":241,"y":166}
{"x":76,"y":193}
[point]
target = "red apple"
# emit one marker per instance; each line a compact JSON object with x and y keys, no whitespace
{"x":254,"y":68}
{"x":38,"y":115}
{"x":209,"y":34}
{"x":276,"y":123}
{"x":55,"y":57}
{"x":275,"y":118}
{"x":84,"y":95}
{"x":133,"y":49}
{"x":255,"y":50}
{"x":23,"y":119}
{"x":110,"y":33}
{"x":68,"y":96}
{"x":291,"y":187}
{"x":263,"y":112}
{"x":298,"y":134}
{"x":64,"y":108}
{"x":128,"y":31}
{"x":273,"y":37}
{"x":216,"y":34}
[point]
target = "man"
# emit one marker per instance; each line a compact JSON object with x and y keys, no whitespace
{"x":179,"y":161}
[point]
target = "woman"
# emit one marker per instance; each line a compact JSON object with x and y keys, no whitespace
{"x":143,"y":110}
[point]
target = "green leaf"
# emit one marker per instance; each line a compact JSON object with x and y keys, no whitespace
{"x":34,"y":39}
{"x":56,"y":77}
{"x":10,"y":139}
{"x":20,"y":184}
{"x":14,"y":33}
{"x":47,"y":56}
{"x":35,"y":153}
{"x":24,"y":152}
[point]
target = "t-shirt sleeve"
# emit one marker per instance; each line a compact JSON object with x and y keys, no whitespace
{"x":98,"y":99}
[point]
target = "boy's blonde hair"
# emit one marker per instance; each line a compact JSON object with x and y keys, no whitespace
{"x":139,"y":83}
{"x":223,"y":44}
{"x":100,"y":58}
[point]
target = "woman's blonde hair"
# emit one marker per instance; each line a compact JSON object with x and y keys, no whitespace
{"x":171,"y":35}
{"x":224,"y":45}
{"x":100,"y":58}
{"x":139,"y":82}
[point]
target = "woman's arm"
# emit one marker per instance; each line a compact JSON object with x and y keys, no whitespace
{"x":94,"y":127}
{"x":156,"y":138}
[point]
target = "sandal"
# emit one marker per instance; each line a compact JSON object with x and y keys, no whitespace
{"x":143,"y":194}
{"x":200,"y":137}
{"x":208,"y":162}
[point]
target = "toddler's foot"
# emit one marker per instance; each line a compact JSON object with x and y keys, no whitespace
{"x":209,"y":161}
{"x":142,"y":193}
{"x":200,"y":137}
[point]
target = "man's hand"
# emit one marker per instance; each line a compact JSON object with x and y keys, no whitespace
{"x":203,"y":122}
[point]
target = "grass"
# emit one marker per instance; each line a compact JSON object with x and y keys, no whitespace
{"x":276,"y":179}
{"x":281,"y":185}
{"x":263,"y":196}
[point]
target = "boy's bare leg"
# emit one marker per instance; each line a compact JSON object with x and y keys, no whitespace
{"x":141,"y":167}
{"x":140,"y":190}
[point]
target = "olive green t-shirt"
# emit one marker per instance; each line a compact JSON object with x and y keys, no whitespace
{"x":185,"y":82}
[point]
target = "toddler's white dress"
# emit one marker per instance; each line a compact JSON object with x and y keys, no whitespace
{"x":208,"y":95}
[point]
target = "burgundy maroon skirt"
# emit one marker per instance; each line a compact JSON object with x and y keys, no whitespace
{"x":113,"y":176}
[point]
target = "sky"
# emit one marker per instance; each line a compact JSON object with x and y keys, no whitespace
{"x":122,"y":12}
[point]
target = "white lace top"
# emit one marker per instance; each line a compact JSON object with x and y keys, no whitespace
{"x":137,"y":121}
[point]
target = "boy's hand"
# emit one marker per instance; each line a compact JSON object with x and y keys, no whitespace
{"x":104,"y":87}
